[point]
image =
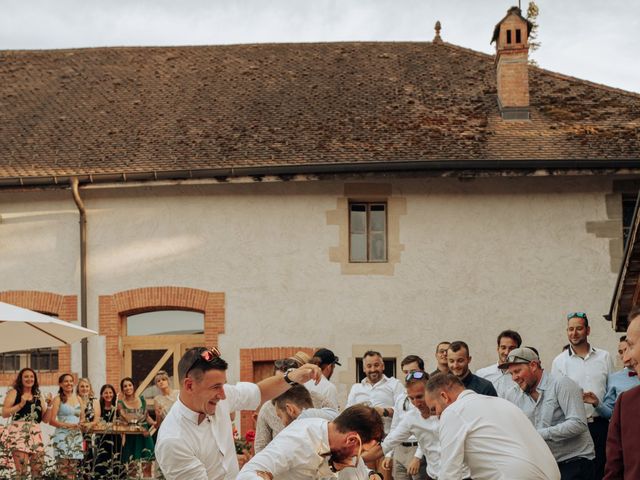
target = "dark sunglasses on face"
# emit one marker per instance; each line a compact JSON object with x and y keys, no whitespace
{"x":207,"y":355}
{"x":417,"y":375}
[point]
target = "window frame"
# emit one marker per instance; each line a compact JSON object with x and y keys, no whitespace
{"x":368,"y":205}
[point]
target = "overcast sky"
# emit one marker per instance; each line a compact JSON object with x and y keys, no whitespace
{"x":596,"y":40}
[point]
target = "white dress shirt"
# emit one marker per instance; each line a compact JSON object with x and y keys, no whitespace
{"x":327,"y":390}
{"x":494,"y":439}
{"x":501,"y":379}
{"x":205,"y":451}
{"x":425,"y":430}
{"x":382,"y":394}
{"x":297,"y":454}
{"x":590,"y":372}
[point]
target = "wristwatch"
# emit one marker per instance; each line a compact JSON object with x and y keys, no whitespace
{"x":287,"y":379}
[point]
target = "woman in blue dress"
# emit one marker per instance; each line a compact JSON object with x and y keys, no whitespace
{"x":66,"y":415}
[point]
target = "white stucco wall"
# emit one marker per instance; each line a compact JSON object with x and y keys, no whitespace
{"x":479,"y":256}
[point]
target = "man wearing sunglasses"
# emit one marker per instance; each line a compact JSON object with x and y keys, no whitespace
{"x":194,"y":440}
{"x":418,"y":423}
{"x":311,"y":448}
{"x":590,"y":368}
{"x":554,"y":405}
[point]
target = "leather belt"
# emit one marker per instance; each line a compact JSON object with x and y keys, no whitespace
{"x":409,"y":444}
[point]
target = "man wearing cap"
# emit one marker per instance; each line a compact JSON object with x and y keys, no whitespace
{"x":623,"y":442}
{"x":194,"y":440}
{"x":507,"y":340}
{"x":555,"y":407}
{"x":327,"y":361}
{"x":488,"y":435}
{"x":590,"y":368}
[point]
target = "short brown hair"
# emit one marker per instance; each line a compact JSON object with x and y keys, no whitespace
{"x":457,"y":345}
{"x":442,"y":343}
{"x":443,"y":381}
{"x":191,"y":362}
{"x":298,"y":395}
{"x":363,"y":420}
{"x":513,"y":335}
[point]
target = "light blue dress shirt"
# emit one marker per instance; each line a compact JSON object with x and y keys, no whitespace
{"x":617,"y":383}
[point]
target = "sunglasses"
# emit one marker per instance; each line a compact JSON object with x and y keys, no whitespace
{"x":511,"y":358}
{"x":417,"y":375}
{"x":207,"y":355}
{"x":576,"y":314}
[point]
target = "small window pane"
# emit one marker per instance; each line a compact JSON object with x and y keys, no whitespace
{"x":378,"y":218}
{"x":358,"y":247}
{"x":358,"y":219}
{"x":166,"y":322}
{"x":378,"y":248}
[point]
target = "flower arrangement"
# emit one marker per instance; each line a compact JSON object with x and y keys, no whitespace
{"x":243,"y":444}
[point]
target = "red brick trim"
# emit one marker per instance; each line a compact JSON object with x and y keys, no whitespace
{"x":65,"y":307}
{"x":248,"y":356}
{"x":113,"y":308}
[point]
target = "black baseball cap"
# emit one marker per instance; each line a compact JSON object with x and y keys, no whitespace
{"x":326,"y":357}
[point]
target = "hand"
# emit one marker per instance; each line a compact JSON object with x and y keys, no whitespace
{"x":375,"y":476}
{"x":414,"y":466}
{"x":590,"y":398}
{"x":305,"y":373}
{"x":386,"y":463}
{"x":49,"y":399}
{"x":265,"y":475}
{"x":243,"y":458}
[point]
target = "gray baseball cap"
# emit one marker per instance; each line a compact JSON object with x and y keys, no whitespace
{"x":520,"y":355}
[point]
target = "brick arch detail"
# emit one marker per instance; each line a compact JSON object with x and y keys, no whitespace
{"x":65,"y":307}
{"x":113,"y":308}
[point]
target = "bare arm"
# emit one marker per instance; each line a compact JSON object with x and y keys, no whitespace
{"x":8,"y":407}
{"x":273,"y":386}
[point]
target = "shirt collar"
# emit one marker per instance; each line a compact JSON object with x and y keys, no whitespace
{"x":543,"y":381}
{"x":571,"y":352}
{"x":465,"y":393}
{"x":365,"y":381}
{"x":185,"y":412}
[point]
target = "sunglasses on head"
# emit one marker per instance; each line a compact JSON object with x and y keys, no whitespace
{"x":417,"y":375}
{"x":206,"y":354}
{"x":576,"y":314}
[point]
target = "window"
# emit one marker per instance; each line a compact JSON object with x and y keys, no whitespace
{"x":41,"y":360}
{"x":367,"y":232}
{"x":389,"y":368}
{"x":628,"y":208}
{"x":165,"y":322}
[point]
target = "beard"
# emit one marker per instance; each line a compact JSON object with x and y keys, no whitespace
{"x":340,"y":455}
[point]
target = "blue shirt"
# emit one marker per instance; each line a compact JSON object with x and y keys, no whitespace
{"x":616,"y":384}
{"x":559,"y":416}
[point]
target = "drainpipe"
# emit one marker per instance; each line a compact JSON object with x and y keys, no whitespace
{"x":83,"y":271}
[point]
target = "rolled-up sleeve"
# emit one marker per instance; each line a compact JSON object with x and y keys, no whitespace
{"x":177,"y":461}
{"x":243,"y":396}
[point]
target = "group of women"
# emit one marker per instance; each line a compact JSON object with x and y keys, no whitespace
{"x":76,"y":413}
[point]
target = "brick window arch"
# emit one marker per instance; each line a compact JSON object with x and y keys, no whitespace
{"x":114,"y":308}
{"x":65,"y":307}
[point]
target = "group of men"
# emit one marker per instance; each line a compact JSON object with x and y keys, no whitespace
{"x":513,"y":419}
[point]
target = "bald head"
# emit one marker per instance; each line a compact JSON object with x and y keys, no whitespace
{"x":632,"y":355}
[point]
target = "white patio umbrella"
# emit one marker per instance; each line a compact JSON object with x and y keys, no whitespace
{"x":22,"y":329}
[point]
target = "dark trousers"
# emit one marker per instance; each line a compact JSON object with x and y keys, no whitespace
{"x":598,"y":430}
{"x":576,"y":469}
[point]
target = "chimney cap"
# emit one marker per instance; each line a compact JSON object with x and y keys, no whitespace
{"x":512,"y":11}
{"x":437,"y":27}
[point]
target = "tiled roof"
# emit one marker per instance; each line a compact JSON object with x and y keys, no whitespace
{"x":113,"y":110}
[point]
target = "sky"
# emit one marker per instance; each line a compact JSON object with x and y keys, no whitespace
{"x":595,"y":40}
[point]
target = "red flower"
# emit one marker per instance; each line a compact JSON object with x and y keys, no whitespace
{"x":250,"y":436}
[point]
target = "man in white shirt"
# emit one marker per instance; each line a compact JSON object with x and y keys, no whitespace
{"x":194,"y":440}
{"x":488,"y":434}
{"x":590,"y":368}
{"x":327,"y":361}
{"x":507,"y":341}
{"x":379,"y":391}
{"x":311,"y":448}
{"x":417,"y":423}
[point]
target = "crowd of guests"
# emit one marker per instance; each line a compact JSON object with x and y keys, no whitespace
{"x":512,"y":419}
{"x":85,"y":443}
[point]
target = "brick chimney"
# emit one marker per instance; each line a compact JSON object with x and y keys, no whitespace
{"x":512,"y":64}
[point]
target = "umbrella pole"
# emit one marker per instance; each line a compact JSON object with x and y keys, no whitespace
{"x":83,"y":271}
